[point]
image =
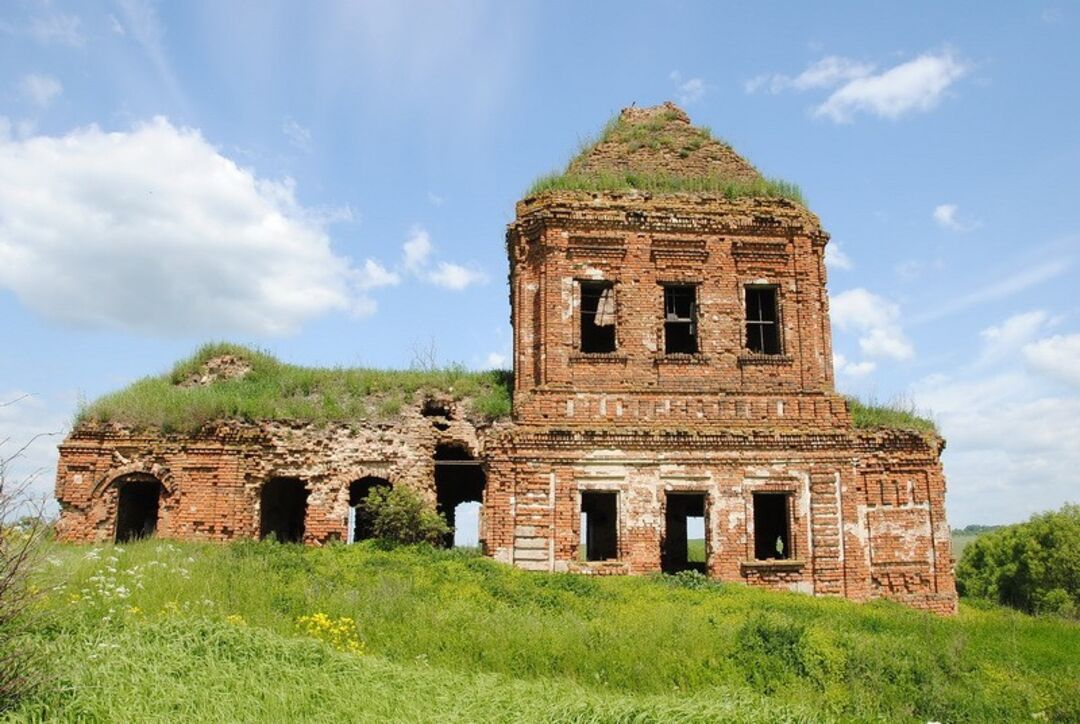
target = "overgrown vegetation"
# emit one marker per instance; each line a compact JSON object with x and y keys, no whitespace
{"x":398,"y":515}
{"x":23,"y":532}
{"x":159,"y":630}
{"x":661,"y":183}
{"x":1032,"y":566}
{"x":654,"y":134}
{"x":898,"y":415}
{"x":273,"y":390}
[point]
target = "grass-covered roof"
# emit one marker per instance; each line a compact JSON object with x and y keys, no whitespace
{"x":263,"y":388}
{"x":658,"y":150}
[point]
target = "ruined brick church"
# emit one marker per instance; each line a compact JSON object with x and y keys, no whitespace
{"x":674,"y":408}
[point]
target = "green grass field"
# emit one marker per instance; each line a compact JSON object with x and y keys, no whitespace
{"x":161,"y":631}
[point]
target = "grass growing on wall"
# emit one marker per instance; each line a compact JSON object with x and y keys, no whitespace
{"x":898,"y":415}
{"x":662,"y":183}
{"x":274,"y":390}
{"x":161,"y":630}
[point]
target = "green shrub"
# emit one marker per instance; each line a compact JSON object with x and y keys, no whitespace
{"x":1032,"y":566}
{"x":399,"y":515}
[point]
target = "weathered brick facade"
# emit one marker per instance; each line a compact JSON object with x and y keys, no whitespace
{"x":746,"y":437}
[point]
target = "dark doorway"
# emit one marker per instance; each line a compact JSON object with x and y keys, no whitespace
{"x":359,"y":520}
{"x":772,"y":527}
{"x":684,"y":547}
{"x":600,"y":525}
{"x":283,"y":507}
{"x":137,"y":508}
{"x":459,"y":478}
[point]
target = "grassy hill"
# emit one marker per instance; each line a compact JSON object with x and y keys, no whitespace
{"x":264,"y":632}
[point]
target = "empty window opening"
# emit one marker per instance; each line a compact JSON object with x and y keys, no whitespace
{"x":282,"y":509}
{"x":600,"y":525}
{"x":680,"y":319}
{"x":762,"y":320}
{"x":772,"y":527}
{"x":597,"y":317}
{"x":436,"y":408}
{"x":359,"y":520}
{"x":684,"y":547}
{"x":137,"y":508}
{"x":460,"y":478}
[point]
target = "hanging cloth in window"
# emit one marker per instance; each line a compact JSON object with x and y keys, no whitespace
{"x":605,"y":309}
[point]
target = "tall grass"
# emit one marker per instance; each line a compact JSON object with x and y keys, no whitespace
{"x":661,"y":183}
{"x":538,"y":646}
{"x":273,"y":390}
{"x":898,"y":414}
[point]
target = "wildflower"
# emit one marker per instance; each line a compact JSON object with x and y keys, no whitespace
{"x":339,"y":633}
{"x":134,"y":610}
{"x":235,"y":619}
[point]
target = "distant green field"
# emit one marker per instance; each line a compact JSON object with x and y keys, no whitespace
{"x":161,"y":631}
{"x":695,"y":550}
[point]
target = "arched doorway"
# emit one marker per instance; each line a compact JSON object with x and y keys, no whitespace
{"x":282,"y":510}
{"x":137,"y":506}
{"x":459,"y":482}
{"x":359,"y":525}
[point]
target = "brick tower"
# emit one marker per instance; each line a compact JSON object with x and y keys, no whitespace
{"x":673,"y":381}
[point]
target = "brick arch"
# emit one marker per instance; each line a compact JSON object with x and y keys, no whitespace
{"x":155,"y":470}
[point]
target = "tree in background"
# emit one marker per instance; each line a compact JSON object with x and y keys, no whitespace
{"x":400,"y":515}
{"x":1032,"y":566}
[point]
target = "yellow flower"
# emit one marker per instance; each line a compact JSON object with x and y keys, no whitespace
{"x":236,"y":619}
{"x":134,"y":610}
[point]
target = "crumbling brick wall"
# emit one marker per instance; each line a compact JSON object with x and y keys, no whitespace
{"x":863,"y":511}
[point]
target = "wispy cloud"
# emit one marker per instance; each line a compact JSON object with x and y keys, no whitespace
{"x":41,"y":89}
{"x":416,"y":260}
{"x":915,"y":85}
{"x":835,"y":258}
{"x":689,"y":90}
{"x":140,"y":19}
{"x":298,"y":136}
{"x":947,"y":217}
{"x":1013,"y":284}
{"x":875,"y":320}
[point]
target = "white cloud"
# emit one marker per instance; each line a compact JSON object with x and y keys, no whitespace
{"x":298,"y":136}
{"x":917,"y":85}
{"x":946,"y":217}
{"x":1057,"y":357}
{"x":835,"y":258}
{"x":825,"y":73}
{"x":116,"y":25}
{"x":455,"y":276}
{"x":1012,"y":334}
{"x":416,"y":259}
{"x":689,"y":91}
{"x":875,"y":319}
{"x":842,"y":366}
{"x":57,"y":27}
{"x":29,"y":432}
{"x":154,"y":230}
{"x":416,"y":249}
{"x":496,"y":361}
{"x":374,"y":275}
{"x":435,"y":199}
{"x":140,"y":18}
{"x":1011,"y":432}
{"x":41,"y":89}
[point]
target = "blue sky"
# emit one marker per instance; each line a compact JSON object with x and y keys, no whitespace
{"x":331,"y":181}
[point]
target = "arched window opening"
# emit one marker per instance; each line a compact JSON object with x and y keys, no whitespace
{"x":283,"y":507}
{"x":137,"y":506}
{"x":459,"y":478}
{"x":359,"y":521}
